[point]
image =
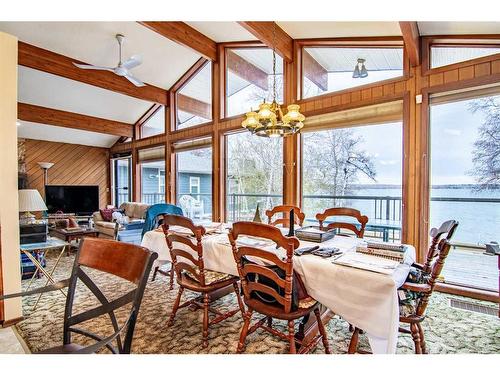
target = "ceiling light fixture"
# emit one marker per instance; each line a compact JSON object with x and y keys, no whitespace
{"x":269,"y":121}
{"x":360,"y":69}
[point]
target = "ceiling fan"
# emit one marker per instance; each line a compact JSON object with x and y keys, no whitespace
{"x":123,"y":67}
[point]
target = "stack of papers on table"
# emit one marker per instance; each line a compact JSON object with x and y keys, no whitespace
{"x":367,"y":262}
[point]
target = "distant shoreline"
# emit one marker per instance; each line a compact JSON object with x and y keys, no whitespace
{"x":451,"y":186}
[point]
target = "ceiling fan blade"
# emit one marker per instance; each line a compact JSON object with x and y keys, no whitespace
{"x":93,"y":67}
{"x":132,"y":62}
{"x":134,"y":80}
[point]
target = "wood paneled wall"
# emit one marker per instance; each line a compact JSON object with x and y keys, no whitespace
{"x":73,"y":165}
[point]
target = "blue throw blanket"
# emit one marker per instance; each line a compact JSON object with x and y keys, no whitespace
{"x":156,"y":210}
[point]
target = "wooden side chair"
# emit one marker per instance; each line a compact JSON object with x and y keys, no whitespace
{"x":186,"y":252}
{"x":127,"y":261}
{"x":299,"y":216}
{"x":419,"y":286}
{"x":344,"y":211}
{"x":270,"y":287}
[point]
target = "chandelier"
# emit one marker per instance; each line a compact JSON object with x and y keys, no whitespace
{"x":269,"y":120}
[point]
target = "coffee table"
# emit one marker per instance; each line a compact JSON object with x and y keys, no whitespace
{"x":70,"y":235}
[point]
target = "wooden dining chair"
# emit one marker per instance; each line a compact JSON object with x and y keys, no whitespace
{"x":359,"y":231}
{"x":186,"y":251}
{"x":127,"y":261}
{"x":284,"y":220}
{"x":270,"y":287}
{"x":419,"y":286}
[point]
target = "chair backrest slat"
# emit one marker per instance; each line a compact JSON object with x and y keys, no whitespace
{"x":299,"y":216}
{"x":252,"y":260}
{"x":344,"y":211}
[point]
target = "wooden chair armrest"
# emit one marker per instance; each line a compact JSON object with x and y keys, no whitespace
{"x":418,"y":265}
{"x":414,"y":287}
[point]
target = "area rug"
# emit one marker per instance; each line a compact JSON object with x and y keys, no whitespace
{"x":447,"y":329}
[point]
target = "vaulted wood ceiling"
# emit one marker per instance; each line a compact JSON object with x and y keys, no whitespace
{"x":53,"y":92}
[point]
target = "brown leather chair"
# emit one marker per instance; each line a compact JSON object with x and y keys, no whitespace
{"x":272,"y":298}
{"x":127,"y":261}
{"x":419,"y":287}
{"x":191,"y":273}
{"x":344,"y":211}
{"x":299,"y":216}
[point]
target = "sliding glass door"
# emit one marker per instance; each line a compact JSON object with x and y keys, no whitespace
{"x":121,"y":176}
{"x":465,"y":183}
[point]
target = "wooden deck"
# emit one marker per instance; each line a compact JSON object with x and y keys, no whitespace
{"x":471,"y":267}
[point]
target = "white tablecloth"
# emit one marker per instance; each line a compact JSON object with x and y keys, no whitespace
{"x":367,"y":300}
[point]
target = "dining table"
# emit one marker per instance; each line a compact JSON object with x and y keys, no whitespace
{"x":365,"y":298}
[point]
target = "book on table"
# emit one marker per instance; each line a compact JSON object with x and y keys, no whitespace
{"x":396,"y":252}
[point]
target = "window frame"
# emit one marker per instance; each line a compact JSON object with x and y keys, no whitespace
{"x":223,"y":74}
{"x":146,"y":117}
{"x":365,"y":42}
{"x":173,"y":168}
{"x":183,"y":81}
{"x":483,"y":41}
{"x":224,"y":176}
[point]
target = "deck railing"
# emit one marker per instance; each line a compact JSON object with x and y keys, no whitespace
{"x":387,"y":209}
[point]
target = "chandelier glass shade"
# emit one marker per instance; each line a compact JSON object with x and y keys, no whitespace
{"x":269,"y":120}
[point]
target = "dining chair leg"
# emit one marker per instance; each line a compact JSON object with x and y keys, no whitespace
{"x":244,"y":330}
{"x":176,"y":306}
{"x":238,"y":297}
{"x":171,"y":277}
{"x":353,"y":344}
{"x":415,"y":334}
{"x":291,"y":336}
{"x":422,"y":338}
{"x":206,"y":302}
{"x":154,"y":273}
{"x":322,"y":331}
{"x":270,"y":321}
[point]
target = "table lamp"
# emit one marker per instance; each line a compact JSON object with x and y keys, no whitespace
{"x":30,"y":200}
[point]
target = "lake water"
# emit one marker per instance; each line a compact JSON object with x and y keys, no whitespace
{"x":478,"y":222}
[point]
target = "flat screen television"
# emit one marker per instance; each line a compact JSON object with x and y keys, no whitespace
{"x":72,"y":199}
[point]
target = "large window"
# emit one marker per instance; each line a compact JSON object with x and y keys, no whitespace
{"x":194,"y":182}
{"x":249,"y":79}
{"x":155,"y":124}
{"x":254,"y":175}
{"x":447,"y":55}
{"x":153,"y":182}
{"x":328,"y":69}
{"x":194,"y":99}
{"x":358,"y":167}
{"x":465,"y":184}
{"x":152,"y":161}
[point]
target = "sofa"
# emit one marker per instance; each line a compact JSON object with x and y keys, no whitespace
{"x":132,"y":211}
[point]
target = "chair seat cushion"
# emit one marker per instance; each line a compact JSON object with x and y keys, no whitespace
{"x":278,"y":312}
{"x":211,"y":277}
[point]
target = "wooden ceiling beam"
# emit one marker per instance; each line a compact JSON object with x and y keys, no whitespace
{"x":246,"y":70}
{"x":50,"y":116}
{"x":185,"y":35}
{"x":194,"y":106}
{"x":314,"y":71}
{"x":264,"y":31}
{"x":60,"y":65}
{"x":411,"y":37}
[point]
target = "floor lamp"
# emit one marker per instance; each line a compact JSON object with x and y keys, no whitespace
{"x":45,"y":166}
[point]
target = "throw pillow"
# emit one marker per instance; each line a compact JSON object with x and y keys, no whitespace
{"x":107,"y":214}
